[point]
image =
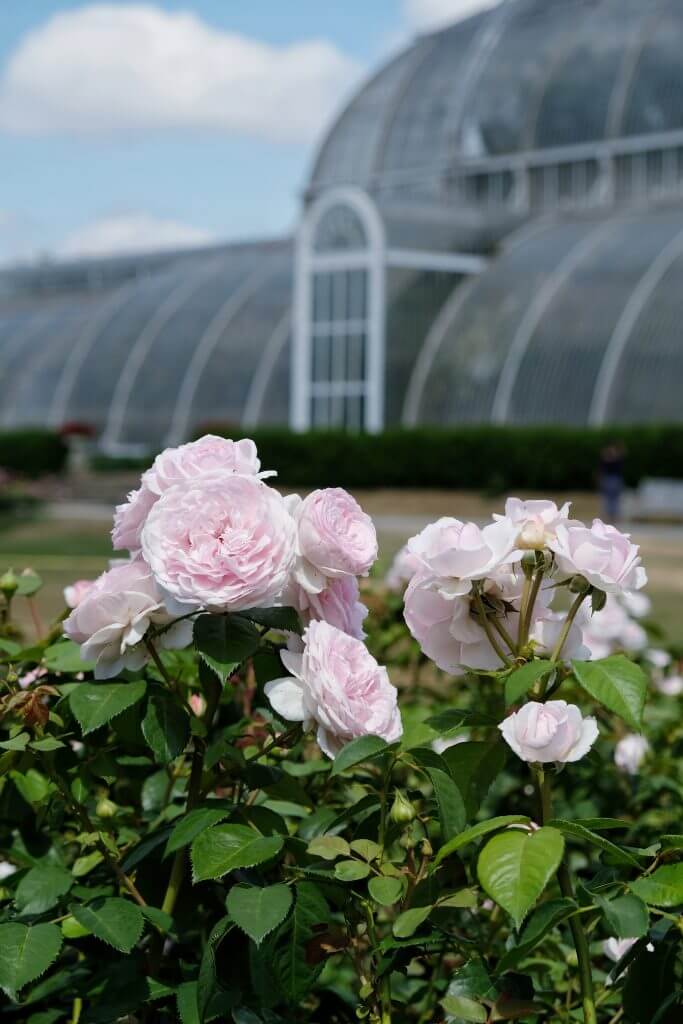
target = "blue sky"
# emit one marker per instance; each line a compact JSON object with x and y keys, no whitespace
{"x":128,"y":125}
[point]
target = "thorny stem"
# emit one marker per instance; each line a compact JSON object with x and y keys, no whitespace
{"x":486,"y":626}
{"x":159,"y":663}
{"x":89,"y":826}
{"x":573,"y":611}
{"x":194,"y":793}
{"x":528,"y":608}
{"x":385,"y":981}
{"x":567,"y":889}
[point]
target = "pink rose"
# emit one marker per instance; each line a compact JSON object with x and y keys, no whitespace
{"x":535,"y":521}
{"x":31,"y":677}
{"x":602,"y":554}
{"x":338,"y":604}
{"x":208,"y":456}
{"x":451,"y":549}
{"x":445,"y":629}
{"x":546,"y":630}
{"x":614,"y":949}
{"x":226,"y":543}
{"x":671,"y":686}
{"x":338,"y":686}
{"x":612,"y":629}
{"x":402,"y":570}
{"x":130,"y":517}
{"x":74,"y":594}
{"x":335,"y":537}
{"x":554,"y":731}
{"x":111,"y":621}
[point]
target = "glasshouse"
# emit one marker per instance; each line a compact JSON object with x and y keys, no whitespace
{"x":492,"y":232}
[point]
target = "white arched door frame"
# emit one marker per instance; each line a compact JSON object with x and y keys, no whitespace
{"x":372,"y":258}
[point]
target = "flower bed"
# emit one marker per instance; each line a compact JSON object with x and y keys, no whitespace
{"x":231,"y":791}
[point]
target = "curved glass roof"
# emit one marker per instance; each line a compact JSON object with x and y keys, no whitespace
{"x":576,"y":323}
{"x":149,"y":355}
{"x":525,"y":75}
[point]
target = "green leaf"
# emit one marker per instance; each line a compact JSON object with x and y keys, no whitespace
{"x":258,"y":911}
{"x":190,"y":825}
{"x":546,"y":917}
{"x":474,"y":766}
{"x":65,"y":656}
{"x":33,"y":785}
{"x":522,"y":679}
{"x":41,"y":888}
{"x":449,"y":799}
{"x":328,"y":847}
{"x":116,"y":921}
{"x":462,"y":1008}
{"x":295,"y":973}
{"x":207,"y":982}
{"x":28,"y":583}
{"x":483,"y":828}
{"x":385,"y":891}
{"x":618,"y":684}
{"x":26,"y":953}
{"x":577,"y":831}
{"x":671,"y":842}
{"x":407,"y":923}
{"x":447,"y":723}
{"x":225,"y":641}
{"x":663,"y":888}
{"x":166,"y":727}
{"x":515,"y":867}
{"x":18,"y":742}
{"x":47,"y":744}
{"x":95,"y":704}
{"x":366,"y":849}
{"x":365,"y":748}
{"x":462,"y":899}
{"x":286,"y":619}
{"x":224,"y":848}
{"x":351,"y":870}
{"x":82,"y":866}
{"x":627,"y":916}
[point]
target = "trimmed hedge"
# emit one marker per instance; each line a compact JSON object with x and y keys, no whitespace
{"x":486,"y":458}
{"x":32,"y":452}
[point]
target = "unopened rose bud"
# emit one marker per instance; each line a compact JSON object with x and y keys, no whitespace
{"x":9,"y":584}
{"x":532,"y":536}
{"x":402,"y":811}
{"x":105,"y":808}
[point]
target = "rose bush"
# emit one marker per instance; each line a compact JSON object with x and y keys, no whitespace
{"x":216,"y":803}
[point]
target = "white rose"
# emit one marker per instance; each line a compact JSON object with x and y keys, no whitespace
{"x":602,"y":554}
{"x":630,"y":752}
{"x":554,"y":731}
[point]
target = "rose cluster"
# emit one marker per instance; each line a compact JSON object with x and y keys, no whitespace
{"x":485,"y":598}
{"x":206,"y":533}
{"x":468,"y":593}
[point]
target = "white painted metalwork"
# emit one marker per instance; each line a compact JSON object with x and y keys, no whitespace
{"x":143,"y":343}
{"x":430,"y":349}
{"x":308,"y":263}
{"x":180,"y":420}
{"x":535,"y":312}
{"x":448,"y":262}
{"x":264,"y":370}
{"x":625,"y":326}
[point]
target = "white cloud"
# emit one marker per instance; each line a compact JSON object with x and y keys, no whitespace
{"x":130,"y":233}
{"x":433,"y":13}
{"x":123,"y":69}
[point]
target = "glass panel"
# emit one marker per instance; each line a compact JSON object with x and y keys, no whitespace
{"x":340,"y":228}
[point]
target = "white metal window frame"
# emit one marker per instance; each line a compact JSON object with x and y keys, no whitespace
{"x":372,"y":260}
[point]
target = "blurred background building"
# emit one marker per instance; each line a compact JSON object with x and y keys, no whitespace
{"x":492,"y":231}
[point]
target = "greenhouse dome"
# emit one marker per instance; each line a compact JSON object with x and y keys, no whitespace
{"x":491,"y":232}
